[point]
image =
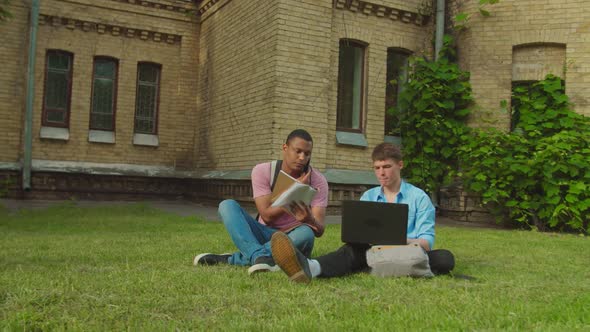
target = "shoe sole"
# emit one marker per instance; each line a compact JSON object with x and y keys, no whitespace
{"x":285,"y":256}
{"x":258,"y":268}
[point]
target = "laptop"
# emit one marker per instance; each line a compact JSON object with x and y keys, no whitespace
{"x":374,"y":223}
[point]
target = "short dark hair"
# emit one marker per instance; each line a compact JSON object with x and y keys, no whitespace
{"x":386,"y":151}
{"x":301,"y":133}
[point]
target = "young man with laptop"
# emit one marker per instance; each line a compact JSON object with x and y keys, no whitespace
{"x":352,"y":256}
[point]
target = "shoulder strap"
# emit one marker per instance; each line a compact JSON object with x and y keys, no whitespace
{"x":275,"y":168}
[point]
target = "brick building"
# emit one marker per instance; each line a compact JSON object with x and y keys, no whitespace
{"x":136,"y":97}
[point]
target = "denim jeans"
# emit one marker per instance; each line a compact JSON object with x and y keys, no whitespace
{"x":253,"y":238}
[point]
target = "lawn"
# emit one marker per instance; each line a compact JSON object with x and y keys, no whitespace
{"x":130,"y":268}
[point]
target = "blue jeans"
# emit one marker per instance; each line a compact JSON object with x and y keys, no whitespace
{"x":253,"y":238}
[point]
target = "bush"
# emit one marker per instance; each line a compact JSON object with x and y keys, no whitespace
{"x":539,"y":174}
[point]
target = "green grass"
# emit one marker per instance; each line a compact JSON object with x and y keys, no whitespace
{"x":130,"y":268}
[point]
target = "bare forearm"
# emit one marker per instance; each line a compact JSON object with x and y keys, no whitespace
{"x":270,"y":214}
{"x":318,"y":215}
{"x":317,"y":227}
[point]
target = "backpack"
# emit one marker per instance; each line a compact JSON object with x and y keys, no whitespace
{"x":399,"y":261}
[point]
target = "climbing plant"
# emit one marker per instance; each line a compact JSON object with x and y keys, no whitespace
{"x":539,"y":174}
{"x":432,"y":111}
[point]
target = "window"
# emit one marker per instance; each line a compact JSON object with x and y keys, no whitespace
{"x":147,"y":95}
{"x":396,"y":78}
{"x":351,"y":67}
{"x":58,"y":87}
{"x":104,"y":94}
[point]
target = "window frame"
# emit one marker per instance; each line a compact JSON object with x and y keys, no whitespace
{"x":363,"y":79}
{"x":115,"y":91}
{"x":408,"y":54}
{"x":44,"y":121}
{"x":156,"y":103}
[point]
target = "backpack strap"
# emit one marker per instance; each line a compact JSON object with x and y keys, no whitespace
{"x":275,"y":168}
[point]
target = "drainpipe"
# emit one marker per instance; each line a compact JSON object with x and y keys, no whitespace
{"x":438,"y":42}
{"x":440,"y":27}
{"x":34,"y":23}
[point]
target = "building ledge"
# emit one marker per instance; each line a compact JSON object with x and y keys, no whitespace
{"x":146,"y":140}
{"x":393,"y":140}
{"x":61,"y":134}
{"x":336,"y":176}
{"x":101,"y":136}
{"x":353,"y":139}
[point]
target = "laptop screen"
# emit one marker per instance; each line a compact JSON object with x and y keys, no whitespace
{"x":374,"y":223}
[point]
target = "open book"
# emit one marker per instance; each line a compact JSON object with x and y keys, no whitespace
{"x":288,"y":190}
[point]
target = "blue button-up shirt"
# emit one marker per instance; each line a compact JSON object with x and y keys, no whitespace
{"x":421,"y":212}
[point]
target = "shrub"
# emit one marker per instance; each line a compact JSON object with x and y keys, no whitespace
{"x":539,"y":174}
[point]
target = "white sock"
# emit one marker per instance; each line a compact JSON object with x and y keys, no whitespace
{"x":314,"y":267}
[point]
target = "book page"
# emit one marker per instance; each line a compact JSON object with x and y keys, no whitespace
{"x":283,"y":182}
{"x":297,"y":192}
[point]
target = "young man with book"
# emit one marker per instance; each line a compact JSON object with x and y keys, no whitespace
{"x":350,"y":258}
{"x":301,"y":223}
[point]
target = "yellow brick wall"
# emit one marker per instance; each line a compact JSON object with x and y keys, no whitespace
{"x":535,"y":62}
{"x":12,"y":82}
{"x":62,"y":27}
{"x":302,"y":73}
{"x":486,"y":49}
{"x":237,"y":81}
{"x":287,"y":77}
{"x":379,"y":33}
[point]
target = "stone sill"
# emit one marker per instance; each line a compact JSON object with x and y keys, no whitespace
{"x":60,"y":134}
{"x":146,"y":140}
{"x":352,"y":139}
{"x":101,"y":136}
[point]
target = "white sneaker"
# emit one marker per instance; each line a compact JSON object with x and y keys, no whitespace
{"x":263,"y":264}
{"x":211,"y":259}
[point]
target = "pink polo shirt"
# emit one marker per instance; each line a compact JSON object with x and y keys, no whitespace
{"x":261,"y":187}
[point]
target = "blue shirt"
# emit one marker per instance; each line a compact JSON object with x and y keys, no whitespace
{"x":421,"y":212}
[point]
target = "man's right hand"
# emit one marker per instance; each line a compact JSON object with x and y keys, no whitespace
{"x":304,"y":178}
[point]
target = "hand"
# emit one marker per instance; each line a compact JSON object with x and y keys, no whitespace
{"x":301,"y":212}
{"x":305,"y":177}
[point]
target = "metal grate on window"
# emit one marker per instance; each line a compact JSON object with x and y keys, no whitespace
{"x":103,"y":94}
{"x":57,"y":85}
{"x":147,"y":98}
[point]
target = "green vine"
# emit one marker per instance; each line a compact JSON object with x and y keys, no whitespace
{"x":432,"y":111}
{"x":5,"y":15}
{"x":539,"y":174}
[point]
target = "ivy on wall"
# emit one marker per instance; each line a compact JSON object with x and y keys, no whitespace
{"x":538,"y":175}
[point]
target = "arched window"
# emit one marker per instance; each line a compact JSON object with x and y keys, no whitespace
{"x":351,"y":90}
{"x":147,"y":97}
{"x":57,"y":89}
{"x":104,"y":93}
{"x":396,"y":78}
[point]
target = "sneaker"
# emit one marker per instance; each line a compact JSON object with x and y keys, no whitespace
{"x":263,"y":264}
{"x":291,"y":260}
{"x":211,"y":259}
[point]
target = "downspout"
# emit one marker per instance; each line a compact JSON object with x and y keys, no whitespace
{"x":438,"y":42}
{"x":440,"y":27}
{"x":28,"y":146}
